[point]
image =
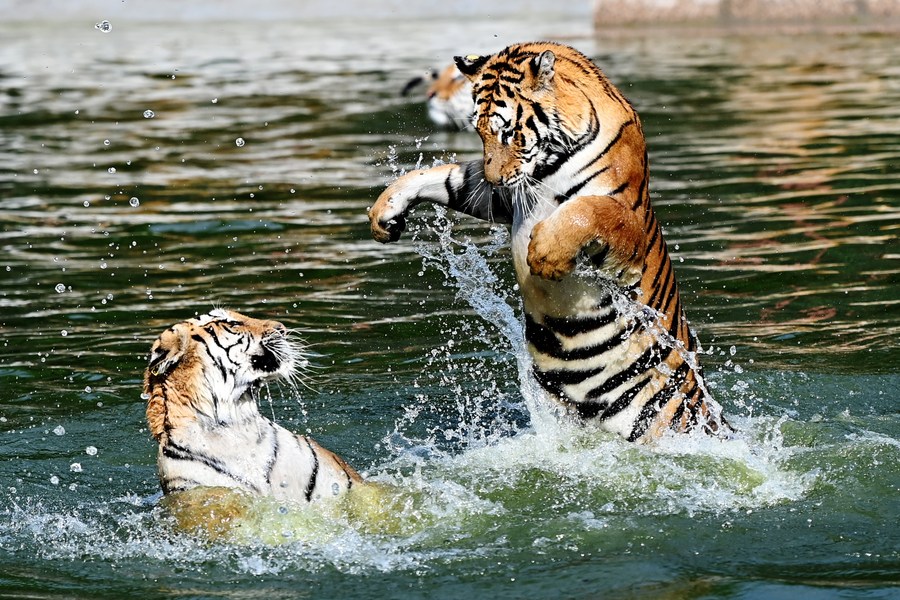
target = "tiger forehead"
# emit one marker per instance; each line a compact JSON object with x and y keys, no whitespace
{"x":231,"y":322}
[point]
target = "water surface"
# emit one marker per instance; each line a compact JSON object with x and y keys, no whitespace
{"x":775,"y":173}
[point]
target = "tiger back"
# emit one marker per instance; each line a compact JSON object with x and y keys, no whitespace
{"x":565,"y":164}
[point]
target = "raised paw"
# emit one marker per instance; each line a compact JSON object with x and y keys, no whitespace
{"x":549,"y":256}
{"x":386,"y":219}
{"x":387,"y":230}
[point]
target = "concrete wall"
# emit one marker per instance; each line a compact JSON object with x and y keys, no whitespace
{"x":736,"y":12}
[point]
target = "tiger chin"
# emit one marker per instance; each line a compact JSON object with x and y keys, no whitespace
{"x":216,"y":451}
{"x":565,"y":165}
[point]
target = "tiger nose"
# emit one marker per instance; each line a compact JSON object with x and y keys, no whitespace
{"x":491,"y":170}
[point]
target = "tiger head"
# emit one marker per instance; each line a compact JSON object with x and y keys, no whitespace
{"x":535,"y":104}
{"x":450,"y":99}
{"x":213,"y":365}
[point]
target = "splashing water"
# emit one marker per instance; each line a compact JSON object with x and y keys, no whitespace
{"x":582,"y":468}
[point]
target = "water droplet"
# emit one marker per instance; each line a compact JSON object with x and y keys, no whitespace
{"x":59,"y":430}
{"x":145,"y":396}
{"x":149,"y":114}
{"x":60,"y":288}
{"x":239,"y":142}
{"x":75,"y":467}
{"x":91,"y":451}
{"x":64,"y":333}
{"x":103,"y":26}
{"x":732,"y":351}
{"x":54,"y":480}
{"x":35,"y":171}
{"x":111,"y":169}
{"x":215,"y":100}
{"x":134,"y":202}
{"x":86,"y":203}
{"x":88,"y":389}
{"x":103,"y":265}
{"x":106,"y":142}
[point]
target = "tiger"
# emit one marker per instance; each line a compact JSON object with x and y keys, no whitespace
{"x":565,"y":165}
{"x":449,"y":98}
{"x":202,"y":386}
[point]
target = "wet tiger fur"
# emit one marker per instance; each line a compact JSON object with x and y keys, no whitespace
{"x":565,"y":164}
{"x":202,"y":384}
{"x":448,"y":98}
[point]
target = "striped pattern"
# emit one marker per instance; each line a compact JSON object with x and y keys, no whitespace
{"x":565,"y":163}
{"x":202,"y":382}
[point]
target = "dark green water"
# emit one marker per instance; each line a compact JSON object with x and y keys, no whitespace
{"x":776,"y":171}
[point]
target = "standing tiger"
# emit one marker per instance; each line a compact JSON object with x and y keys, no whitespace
{"x":565,"y":164}
{"x":202,"y":385}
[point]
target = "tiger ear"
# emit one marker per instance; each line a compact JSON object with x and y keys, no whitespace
{"x":167,"y":351}
{"x":470,"y":64}
{"x":543,"y":67}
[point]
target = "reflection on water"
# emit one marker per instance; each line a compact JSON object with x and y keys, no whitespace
{"x":774,"y":163}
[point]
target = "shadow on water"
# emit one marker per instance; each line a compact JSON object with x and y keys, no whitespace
{"x":773,"y":172}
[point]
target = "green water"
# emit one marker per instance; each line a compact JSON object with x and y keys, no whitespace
{"x":776,"y":172}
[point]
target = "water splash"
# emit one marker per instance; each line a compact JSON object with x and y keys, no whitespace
{"x":682,"y":473}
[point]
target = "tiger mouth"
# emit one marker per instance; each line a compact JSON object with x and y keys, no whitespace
{"x":266,"y":362}
{"x":276,"y":358}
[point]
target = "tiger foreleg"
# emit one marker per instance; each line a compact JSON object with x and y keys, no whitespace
{"x":591,"y":226}
{"x":458,"y":186}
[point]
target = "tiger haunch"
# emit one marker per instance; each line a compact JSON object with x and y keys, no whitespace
{"x":565,"y":164}
{"x":202,"y":383}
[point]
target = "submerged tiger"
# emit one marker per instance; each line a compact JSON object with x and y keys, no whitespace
{"x":202,"y":384}
{"x":565,"y":164}
{"x":448,"y":98}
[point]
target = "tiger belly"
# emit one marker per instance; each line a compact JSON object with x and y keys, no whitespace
{"x":586,"y":354}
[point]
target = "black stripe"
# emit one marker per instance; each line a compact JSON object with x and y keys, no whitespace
{"x":554,"y":380}
{"x":545,"y":342}
{"x":452,"y":197}
{"x":652,"y":356}
{"x":539,"y":114}
{"x":670,"y":292}
{"x":621,"y":188}
{"x":625,"y":399}
{"x":611,"y":143}
{"x":643,"y":187}
{"x":577,"y":187}
{"x":659,"y":399}
{"x":183,"y":484}
{"x":653,"y":238}
{"x":205,"y":342}
{"x":315,"y":472}
{"x":270,"y":466}
{"x":658,"y":290}
{"x":588,"y":410}
{"x":177,"y":452}
{"x":572,"y":326}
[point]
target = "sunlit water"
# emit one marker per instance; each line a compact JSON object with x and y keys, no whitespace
{"x":154,"y":171}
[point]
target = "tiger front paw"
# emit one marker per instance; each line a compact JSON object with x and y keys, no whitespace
{"x":386,"y":223}
{"x":388,"y":230}
{"x":549,"y":256}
